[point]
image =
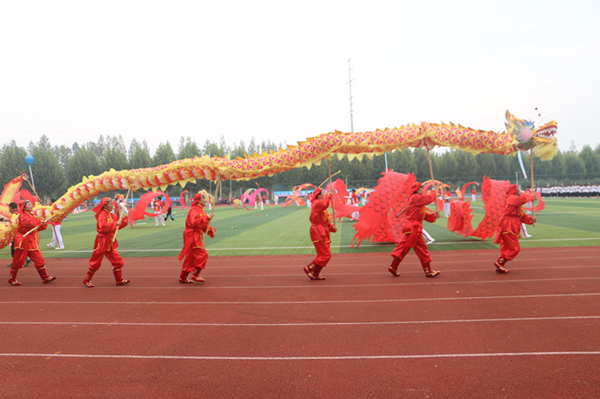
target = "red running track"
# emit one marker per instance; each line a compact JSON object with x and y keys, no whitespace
{"x":259,"y":328}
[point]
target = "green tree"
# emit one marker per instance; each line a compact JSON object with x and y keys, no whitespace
{"x":591,"y":160}
{"x":238,"y":150}
{"x":448,"y":166}
{"x":63,"y":154}
{"x":575,"y":165}
{"x":113,"y":158}
{"x":504,"y":169}
{"x":12,"y":162}
{"x":212,"y":149}
{"x":422,"y":164}
{"x":541,"y":168}
{"x":164,"y":154}
{"x":467,"y":165}
{"x":486,"y":165}
{"x":252,"y":147}
{"x":140,"y":155}
{"x":83,"y":163}
{"x":559,"y":166}
{"x":223,"y":147}
{"x":188,"y":149}
{"x":49,"y":176}
{"x":403,"y":161}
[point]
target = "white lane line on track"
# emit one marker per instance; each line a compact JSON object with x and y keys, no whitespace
{"x":366,"y":323}
{"x":208,"y":248}
{"x":122,"y":303}
{"x":308,"y":284}
{"x":438,"y":356}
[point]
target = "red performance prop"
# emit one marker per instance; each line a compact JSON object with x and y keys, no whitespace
{"x":339,"y":201}
{"x":378,"y":221}
{"x":27,"y":196}
{"x":295,"y":197}
{"x":493,"y":195}
{"x":461,"y":215}
{"x":181,"y":199}
{"x":141,"y":207}
{"x":539,"y":206}
{"x":10,"y":193}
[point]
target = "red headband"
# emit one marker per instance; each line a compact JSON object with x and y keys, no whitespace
{"x":21,"y":205}
{"x":414,"y":187}
{"x":313,"y":196}
{"x":104,"y":201}
{"x":510,"y":190}
{"x":197,"y":198}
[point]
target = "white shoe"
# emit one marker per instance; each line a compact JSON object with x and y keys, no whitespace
{"x":528,"y":236}
{"x":59,"y":248}
{"x":50,"y":245}
{"x":431,"y":242}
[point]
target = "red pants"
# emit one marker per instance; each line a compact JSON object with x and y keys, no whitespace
{"x":509,"y":246}
{"x":323,"y":253}
{"x":113,"y":256}
{"x":419,"y":246}
{"x":197,"y":257}
{"x":21,"y":255}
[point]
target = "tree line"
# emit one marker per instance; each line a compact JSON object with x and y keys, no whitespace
{"x":56,"y":168}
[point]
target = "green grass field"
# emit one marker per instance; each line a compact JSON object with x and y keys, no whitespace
{"x":284,"y":231}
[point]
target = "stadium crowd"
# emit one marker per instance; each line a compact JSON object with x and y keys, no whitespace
{"x":573,"y":191}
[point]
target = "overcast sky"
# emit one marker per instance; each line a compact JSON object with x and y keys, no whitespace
{"x":278,"y":70}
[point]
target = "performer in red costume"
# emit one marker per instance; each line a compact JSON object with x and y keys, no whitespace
{"x":196,"y":223}
{"x":412,"y":237}
{"x":27,"y":244}
{"x":447,"y":197}
{"x":106,"y":244}
{"x":158,"y":207}
{"x":509,"y":228}
{"x":320,"y":226}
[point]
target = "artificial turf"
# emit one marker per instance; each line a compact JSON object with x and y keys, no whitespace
{"x":284,"y":231}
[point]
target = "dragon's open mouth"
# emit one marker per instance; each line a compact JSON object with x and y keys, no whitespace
{"x":547,"y":132}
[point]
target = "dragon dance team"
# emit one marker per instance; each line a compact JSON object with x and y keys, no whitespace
{"x":109,"y":219}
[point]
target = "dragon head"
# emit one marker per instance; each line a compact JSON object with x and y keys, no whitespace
{"x":542,"y":140}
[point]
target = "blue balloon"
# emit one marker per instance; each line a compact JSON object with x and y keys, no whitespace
{"x":29,"y":159}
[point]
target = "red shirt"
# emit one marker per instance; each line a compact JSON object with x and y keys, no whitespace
{"x":318,"y":211}
{"x":447,"y":195}
{"x":106,"y":226}
{"x":27,"y":222}
{"x":513,"y":215}
{"x":320,"y":221}
{"x":416,"y":211}
{"x":196,"y":223}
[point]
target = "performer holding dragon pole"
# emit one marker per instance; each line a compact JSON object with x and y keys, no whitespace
{"x":320,"y":226}
{"x":106,"y":243}
{"x":196,"y":223}
{"x":509,"y":228}
{"x":415,"y":213}
{"x":27,"y":244}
